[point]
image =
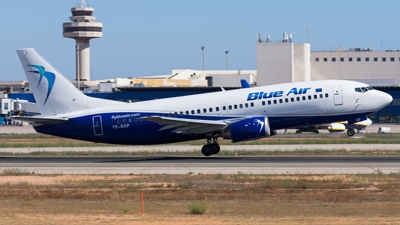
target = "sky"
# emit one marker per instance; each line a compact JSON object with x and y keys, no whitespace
{"x":153,"y":37}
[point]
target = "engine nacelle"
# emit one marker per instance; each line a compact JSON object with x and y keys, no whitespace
{"x":336,"y":127}
{"x":248,"y":129}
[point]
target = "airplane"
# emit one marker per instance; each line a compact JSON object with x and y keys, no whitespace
{"x":240,"y":115}
{"x":338,"y":127}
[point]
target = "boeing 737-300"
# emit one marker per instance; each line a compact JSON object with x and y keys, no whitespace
{"x":240,"y":115}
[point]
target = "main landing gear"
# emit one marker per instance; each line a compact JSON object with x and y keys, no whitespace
{"x":211,"y":148}
{"x":351,"y":132}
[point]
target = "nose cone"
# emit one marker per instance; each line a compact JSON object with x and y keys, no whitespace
{"x":384,"y":99}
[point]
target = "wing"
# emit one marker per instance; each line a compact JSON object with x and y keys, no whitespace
{"x":186,"y":126}
{"x":39,"y":120}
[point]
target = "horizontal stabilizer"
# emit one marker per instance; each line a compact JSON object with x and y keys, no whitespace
{"x":39,"y":120}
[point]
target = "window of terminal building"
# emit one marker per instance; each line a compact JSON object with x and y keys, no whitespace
{"x":396,"y":102}
{"x":316,"y":59}
{"x":341,"y":59}
{"x":325,"y":59}
{"x":375,"y":59}
{"x":383,"y":59}
{"x":333,"y":59}
{"x":389,"y":118}
{"x":350,"y":59}
{"x":358,"y":59}
{"x":391,"y":59}
{"x":366,"y":59}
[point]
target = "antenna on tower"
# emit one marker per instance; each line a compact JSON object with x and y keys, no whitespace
{"x":82,"y":4}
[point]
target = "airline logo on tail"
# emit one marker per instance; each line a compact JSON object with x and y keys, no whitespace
{"x":51,"y":78}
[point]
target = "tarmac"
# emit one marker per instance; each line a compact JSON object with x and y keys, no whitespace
{"x":205,"y":165}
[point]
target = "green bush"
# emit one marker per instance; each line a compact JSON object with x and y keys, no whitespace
{"x":199,"y":208}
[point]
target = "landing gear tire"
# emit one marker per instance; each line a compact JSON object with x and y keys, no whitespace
{"x":215,"y":148}
{"x":350,"y":132}
{"x":207,"y":150}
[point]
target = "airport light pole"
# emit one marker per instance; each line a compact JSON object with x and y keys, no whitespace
{"x":77,"y":65}
{"x":204,"y":62}
{"x":227,"y":60}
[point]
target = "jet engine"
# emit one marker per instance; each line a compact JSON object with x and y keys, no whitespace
{"x":336,"y":127}
{"x":248,"y":129}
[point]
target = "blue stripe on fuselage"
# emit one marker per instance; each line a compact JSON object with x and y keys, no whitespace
{"x":146,"y":132}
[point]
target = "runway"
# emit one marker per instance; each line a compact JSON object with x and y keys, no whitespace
{"x":205,"y":165}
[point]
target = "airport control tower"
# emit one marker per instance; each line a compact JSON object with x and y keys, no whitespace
{"x":82,"y":28}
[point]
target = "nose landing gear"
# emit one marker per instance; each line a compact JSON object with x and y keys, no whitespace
{"x":211,"y":148}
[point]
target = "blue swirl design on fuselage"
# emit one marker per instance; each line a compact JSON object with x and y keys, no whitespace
{"x":51,"y":78}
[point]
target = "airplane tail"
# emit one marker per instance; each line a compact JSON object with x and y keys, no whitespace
{"x":54,"y":94}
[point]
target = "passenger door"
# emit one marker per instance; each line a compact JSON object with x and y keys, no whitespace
{"x":337,"y":95}
{"x":97,"y":126}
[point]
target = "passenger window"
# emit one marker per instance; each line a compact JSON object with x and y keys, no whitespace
{"x":181,"y":113}
{"x":274,"y":101}
{"x":286,"y":100}
{"x":292,"y":99}
{"x":124,"y":120}
{"x":198,"y":111}
{"x":326,"y":95}
{"x":210,"y":109}
{"x":263,"y":102}
{"x":358,"y":90}
{"x":164,"y":115}
{"x":230,"y":107}
{"x":315,"y":96}
{"x":298,"y":98}
{"x":217,"y":109}
{"x":204,"y":110}
{"x":269,"y":102}
{"x":235,"y":106}
{"x":309,"y":97}
{"x":130,"y":120}
{"x":187,"y":112}
{"x":119,"y":121}
{"x":246,"y":105}
{"x":176,"y":114}
{"x":170,"y":114}
{"x":241,"y":106}
{"x":252,"y":104}
{"x":304,"y":98}
{"x":321,"y":95}
{"x":192,"y":111}
{"x":280,"y":100}
{"x":224,"y":108}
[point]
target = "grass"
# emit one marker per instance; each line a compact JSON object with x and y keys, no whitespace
{"x":14,"y":172}
{"x":232,"y":199}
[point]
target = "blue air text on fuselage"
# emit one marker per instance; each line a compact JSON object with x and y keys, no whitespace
{"x":275,"y":94}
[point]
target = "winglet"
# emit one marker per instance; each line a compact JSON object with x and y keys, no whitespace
{"x":244,"y":83}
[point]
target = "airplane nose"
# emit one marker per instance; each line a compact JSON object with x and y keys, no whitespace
{"x":385,"y":99}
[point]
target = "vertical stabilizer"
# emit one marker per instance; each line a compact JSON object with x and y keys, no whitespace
{"x":54,"y":94}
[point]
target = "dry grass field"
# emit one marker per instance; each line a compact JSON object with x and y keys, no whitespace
{"x":227,"y":199}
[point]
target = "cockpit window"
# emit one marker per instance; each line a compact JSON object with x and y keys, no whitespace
{"x":358,"y":90}
{"x":364,"y":89}
{"x":370,"y":88}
